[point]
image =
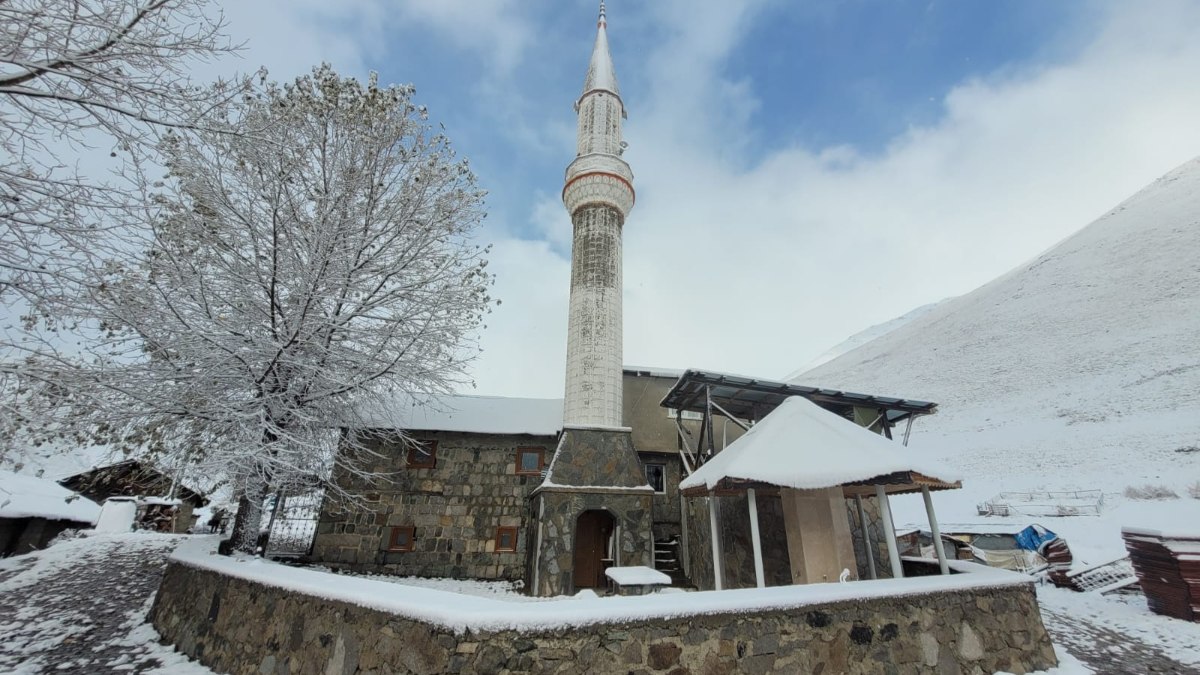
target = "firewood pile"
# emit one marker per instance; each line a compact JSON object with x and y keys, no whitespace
{"x":1168,"y":569}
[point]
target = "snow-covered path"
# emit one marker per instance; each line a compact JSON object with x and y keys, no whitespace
{"x":1116,"y":635}
{"x":80,"y":607}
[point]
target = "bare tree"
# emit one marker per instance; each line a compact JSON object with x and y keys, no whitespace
{"x":85,"y":87}
{"x":77,"y":73}
{"x":293,"y":275}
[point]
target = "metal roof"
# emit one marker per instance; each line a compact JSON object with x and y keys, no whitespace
{"x":753,"y":398}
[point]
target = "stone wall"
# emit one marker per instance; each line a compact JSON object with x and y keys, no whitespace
{"x":455,"y":509}
{"x":733,"y":518}
{"x":875,"y":536}
{"x":238,"y":626}
{"x":631,"y":514}
{"x":25,"y":535}
{"x":699,"y":552}
{"x":594,"y":469}
{"x":665,"y":507}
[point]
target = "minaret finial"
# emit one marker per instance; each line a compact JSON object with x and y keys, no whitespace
{"x":603,"y":19}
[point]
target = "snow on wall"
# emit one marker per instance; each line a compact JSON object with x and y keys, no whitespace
{"x":460,"y":612}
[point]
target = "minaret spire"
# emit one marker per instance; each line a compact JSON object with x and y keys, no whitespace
{"x":599,"y":195}
{"x":601,"y":74}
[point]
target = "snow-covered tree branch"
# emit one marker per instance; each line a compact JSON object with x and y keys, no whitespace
{"x":292,"y":275}
{"x":79,"y":80}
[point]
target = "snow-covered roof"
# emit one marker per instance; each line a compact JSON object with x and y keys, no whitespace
{"x":801,"y":445}
{"x":653,"y":372}
{"x":467,"y":414}
{"x":1010,"y":527}
{"x":32,"y":497}
{"x":60,"y":459}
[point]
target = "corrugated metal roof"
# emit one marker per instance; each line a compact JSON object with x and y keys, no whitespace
{"x":753,"y":398}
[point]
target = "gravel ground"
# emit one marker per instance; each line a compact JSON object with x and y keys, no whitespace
{"x":80,"y":607}
{"x":1109,"y":651}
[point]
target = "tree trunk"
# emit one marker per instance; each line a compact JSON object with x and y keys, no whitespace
{"x":248,"y":522}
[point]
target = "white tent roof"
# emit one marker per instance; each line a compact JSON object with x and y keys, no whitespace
{"x":468,"y":414}
{"x":801,"y":445}
{"x":31,"y":497}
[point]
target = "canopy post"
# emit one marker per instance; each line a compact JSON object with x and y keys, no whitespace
{"x":759,"y":576}
{"x":907,"y":430}
{"x":866,"y":538}
{"x":936,"y":531}
{"x":718,"y":582}
{"x":889,"y":531}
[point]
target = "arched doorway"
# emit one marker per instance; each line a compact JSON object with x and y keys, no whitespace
{"x":593,"y":532}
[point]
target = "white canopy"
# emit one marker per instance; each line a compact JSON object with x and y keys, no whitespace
{"x":801,"y":445}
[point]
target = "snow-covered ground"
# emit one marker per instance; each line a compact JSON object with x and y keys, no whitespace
{"x":80,"y":606}
{"x":1124,"y":615}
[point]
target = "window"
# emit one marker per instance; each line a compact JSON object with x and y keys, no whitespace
{"x":687,"y":414}
{"x":656,"y":476}
{"x":506,"y":540}
{"x":530,"y":461}
{"x":422,"y":455}
{"x":401,"y":538}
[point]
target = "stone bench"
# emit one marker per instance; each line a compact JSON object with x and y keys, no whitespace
{"x":635,"y":580}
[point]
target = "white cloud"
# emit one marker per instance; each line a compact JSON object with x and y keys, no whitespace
{"x":290,"y":36}
{"x":757,"y":269}
{"x":495,"y":28}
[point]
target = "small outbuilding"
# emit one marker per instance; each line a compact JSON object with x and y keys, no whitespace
{"x":164,"y":504}
{"x":33,"y":511}
{"x":815,"y":460}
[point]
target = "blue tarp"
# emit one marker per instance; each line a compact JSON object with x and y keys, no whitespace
{"x":1032,"y":537}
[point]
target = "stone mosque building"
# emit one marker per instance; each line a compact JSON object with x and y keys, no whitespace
{"x":551,"y":493}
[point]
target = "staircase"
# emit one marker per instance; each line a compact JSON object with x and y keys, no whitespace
{"x":666,"y":560}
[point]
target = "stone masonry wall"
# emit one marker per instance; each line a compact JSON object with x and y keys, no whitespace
{"x":733,"y":518}
{"x":875,"y":535}
{"x":630,"y":512}
{"x":665,"y":507}
{"x":455,"y":508}
{"x":237,"y":626}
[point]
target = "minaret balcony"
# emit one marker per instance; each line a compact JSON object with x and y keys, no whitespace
{"x":599,"y":178}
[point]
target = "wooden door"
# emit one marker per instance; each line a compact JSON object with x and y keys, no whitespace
{"x":592,"y":532}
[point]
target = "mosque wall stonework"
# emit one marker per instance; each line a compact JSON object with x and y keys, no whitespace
{"x":247,"y":627}
{"x":556,"y":564}
{"x":594,"y":469}
{"x":454,"y":507}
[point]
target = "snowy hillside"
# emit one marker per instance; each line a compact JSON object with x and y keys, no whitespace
{"x":1079,"y":369}
{"x":863,"y":337}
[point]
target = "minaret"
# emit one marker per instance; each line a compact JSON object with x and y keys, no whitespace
{"x":594,"y":506}
{"x":598,"y":193}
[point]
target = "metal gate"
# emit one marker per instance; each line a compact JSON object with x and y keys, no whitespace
{"x":294,"y":525}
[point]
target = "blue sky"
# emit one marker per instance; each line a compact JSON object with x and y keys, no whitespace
{"x":804,"y":169}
